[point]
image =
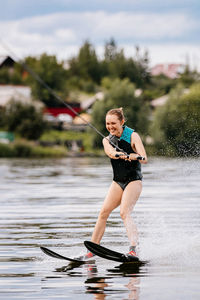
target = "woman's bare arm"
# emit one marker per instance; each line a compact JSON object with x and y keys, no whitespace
{"x":138,"y":147}
{"x":110,"y":150}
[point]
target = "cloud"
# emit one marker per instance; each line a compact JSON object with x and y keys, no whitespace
{"x":143,"y":26}
{"x":169,"y":53}
{"x":63,"y":33}
{"x":98,"y":25}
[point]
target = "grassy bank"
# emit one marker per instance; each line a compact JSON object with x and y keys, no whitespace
{"x":62,"y":137}
{"x":52,"y":143}
{"x":27,"y":149}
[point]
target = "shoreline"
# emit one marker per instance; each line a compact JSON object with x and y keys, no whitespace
{"x":24,"y":149}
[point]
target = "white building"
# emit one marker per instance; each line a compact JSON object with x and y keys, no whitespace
{"x":17,"y":93}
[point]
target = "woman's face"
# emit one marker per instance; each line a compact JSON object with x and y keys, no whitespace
{"x":114,"y":125}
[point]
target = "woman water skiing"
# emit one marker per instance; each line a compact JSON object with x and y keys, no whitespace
{"x":126,"y":186}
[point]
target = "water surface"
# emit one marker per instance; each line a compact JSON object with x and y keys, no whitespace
{"x":55,"y":203}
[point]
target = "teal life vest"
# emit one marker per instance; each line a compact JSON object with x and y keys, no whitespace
{"x":124,"y":171}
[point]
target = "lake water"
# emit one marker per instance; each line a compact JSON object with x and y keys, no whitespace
{"x":55,"y":203}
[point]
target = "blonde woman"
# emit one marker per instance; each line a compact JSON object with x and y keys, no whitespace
{"x":126,"y":186}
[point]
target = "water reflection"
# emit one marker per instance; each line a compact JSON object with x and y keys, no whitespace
{"x":102,"y":286}
{"x":129,"y":269}
{"x":55,"y":203}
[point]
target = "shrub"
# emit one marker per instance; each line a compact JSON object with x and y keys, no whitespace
{"x":24,"y":119}
{"x":176,"y":124}
{"x":39,"y":151}
{"x":22,"y":149}
{"x":6,"y":150}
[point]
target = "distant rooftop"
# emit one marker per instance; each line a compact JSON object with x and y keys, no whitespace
{"x":163,"y":99}
{"x":6,"y":60}
{"x":159,"y":101}
{"x":169,"y":70}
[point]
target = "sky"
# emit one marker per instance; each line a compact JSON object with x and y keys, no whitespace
{"x":169,"y":30}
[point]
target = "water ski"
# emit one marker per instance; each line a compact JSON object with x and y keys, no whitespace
{"x":59,"y":256}
{"x":110,"y":254}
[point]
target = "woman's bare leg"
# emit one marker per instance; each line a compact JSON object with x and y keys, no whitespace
{"x":129,"y":199}
{"x":112,"y":200}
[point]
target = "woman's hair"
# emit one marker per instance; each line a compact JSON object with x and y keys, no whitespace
{"x":118,"y":112}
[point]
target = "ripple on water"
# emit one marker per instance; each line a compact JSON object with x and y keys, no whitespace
{"x":55,"y":203}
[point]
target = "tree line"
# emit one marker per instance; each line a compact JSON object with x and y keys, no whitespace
{"x":174,"y":127}
{"x":84,"y":72}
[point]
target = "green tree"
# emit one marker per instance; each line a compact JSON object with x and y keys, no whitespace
{"x":142,"y":67}
{"x":85,"y":65}
{"x":24,"y":119}
{"x":188,"y":77}
{"x":52,"y":73}
{"x":121,"y":94}
{"x":88,"y":62}
{"x":4,"y":76}
{"x":110,"y":50}
{"x":11,"y":76}
{"x":116,"y":65}
{"x":176,"y":124}
{"x":158,"y":86}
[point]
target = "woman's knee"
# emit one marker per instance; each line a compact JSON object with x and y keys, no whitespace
{"x":124,"y":214}
{"x":104,"y":213}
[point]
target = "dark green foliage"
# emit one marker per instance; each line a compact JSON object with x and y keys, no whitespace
{"x":116,"y":65}
{"x":53,"y":74}
{"x":88,"y":63}
{"x":85,"y":65}
{"x":4,"y":76}
{"x":188,"y":77}
{"x":6,"y":151}
{"x":177,"y":123}
{"x":159,"y":85}
{"x":26,"y":150}
{"x":2,"y":117}
{"x":121,"y":94}
{"x":22,"y":150}
{"x":23,"y":119}
{"x":11,"y":76}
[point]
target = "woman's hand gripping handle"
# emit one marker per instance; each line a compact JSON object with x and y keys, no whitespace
{"x":130,"y":157}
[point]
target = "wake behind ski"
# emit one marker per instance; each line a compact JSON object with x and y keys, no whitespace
{"x":59,"y":256}
{"x":110,"y":254}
